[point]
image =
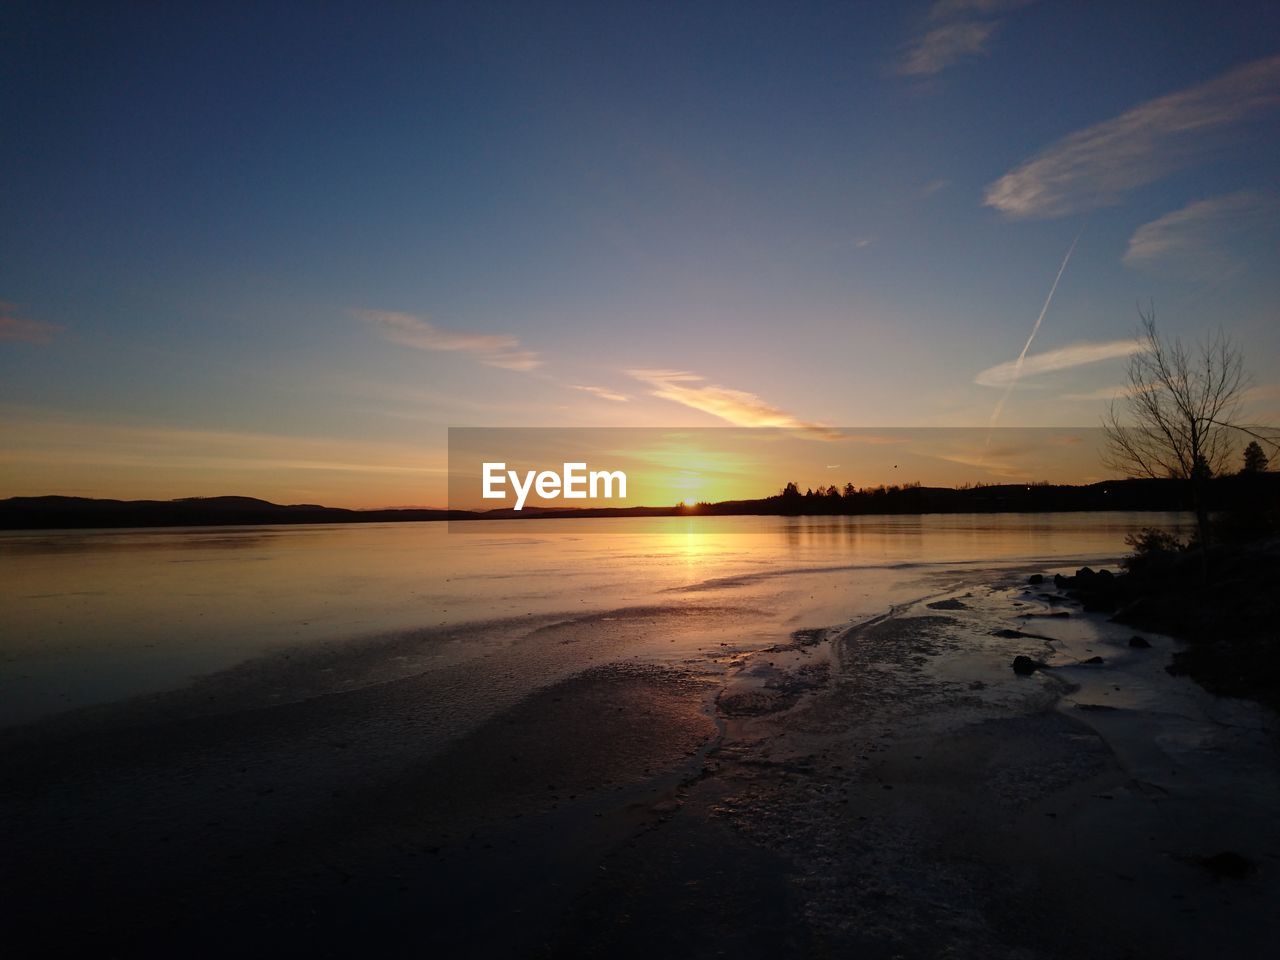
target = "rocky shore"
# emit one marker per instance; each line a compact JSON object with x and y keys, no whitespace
{"x":1227,"y":611}
{"x":921,"y":799}
{"x":886,"y":789}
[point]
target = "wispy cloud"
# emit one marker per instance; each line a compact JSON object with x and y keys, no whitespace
{"x":945,"y":46}
{"x":1262,"y":403}
{"x":738,"y":407}
{"x":1269,"y":391}
{"x":1064,"y":358}
{"x":933,"y":186}
{"x":960,"y":33}
{"x":491,"y":349}
{"x":1096,"y":166}
{"x":1014,"y":454}
{"x":1192,"y":237}
{"x":601,"y":392}
{"x":60,"y":440}
{"x":14,"y":327}
{"x":998,"y":463}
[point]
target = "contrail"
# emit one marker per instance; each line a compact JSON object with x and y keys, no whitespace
{"x":1017,"y":367}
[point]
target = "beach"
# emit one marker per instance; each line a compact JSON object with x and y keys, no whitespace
{"x":885,"y":785}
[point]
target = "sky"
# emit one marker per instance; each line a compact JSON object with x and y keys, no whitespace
{"x":279,"y":249}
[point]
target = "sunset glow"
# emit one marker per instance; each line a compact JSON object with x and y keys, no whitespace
{"x":859,"y":234}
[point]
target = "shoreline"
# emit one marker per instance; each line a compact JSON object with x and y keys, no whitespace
{"x":974,"y":825}
{"x":890,"y":788}
{"x":36,"y":514}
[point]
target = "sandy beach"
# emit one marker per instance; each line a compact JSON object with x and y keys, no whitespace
{"x":890,"y":788}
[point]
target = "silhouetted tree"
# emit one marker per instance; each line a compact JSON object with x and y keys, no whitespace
{"x":1255,"y":461}
{"x":1179,"y":413}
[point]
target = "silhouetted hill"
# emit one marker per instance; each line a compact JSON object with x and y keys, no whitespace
{"x":49,"y":513}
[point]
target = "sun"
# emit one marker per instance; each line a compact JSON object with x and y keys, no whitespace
{"x":686,"y":486}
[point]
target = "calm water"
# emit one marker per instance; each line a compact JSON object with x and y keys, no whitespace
{"x":93,"y":616}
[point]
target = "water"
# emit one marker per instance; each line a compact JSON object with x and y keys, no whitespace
{"x":88,"y":617}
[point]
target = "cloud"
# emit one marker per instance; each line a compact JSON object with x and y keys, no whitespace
{"x":738,"y":407}
{"x":945,"y":46}
{"x":60,"y":441}
{"x":960,"y":34}
{"x":1096,"y":166}
{"x":1190,"y":237}
{"x":1270,"y":391}
{"x":494,"y":350}
{"x":1064,"y":358}
{"x":1262,"y":403}
{"x":13,"y":327}
{"x":602,"y":393}
{"x":1000,"y":464}
{"x":933,"y":186}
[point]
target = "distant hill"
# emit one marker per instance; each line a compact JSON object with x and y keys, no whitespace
{"x":54,"y":513}
{"x":65,"y":513}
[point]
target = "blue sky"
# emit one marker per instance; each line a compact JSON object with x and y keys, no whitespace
{"x":278,"y":249}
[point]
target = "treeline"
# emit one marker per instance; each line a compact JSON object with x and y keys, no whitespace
{"x":1225,"y":493}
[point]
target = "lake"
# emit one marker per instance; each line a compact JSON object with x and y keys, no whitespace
{"x":88,"y":617}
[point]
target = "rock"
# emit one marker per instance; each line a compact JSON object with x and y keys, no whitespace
{"x":1024,"y":666}
{"x":1060,"y":581}
{"x":1036,"y":578}
{"x":1106,"y":574}
{"x":1008,"y":634}
{"x":1085,"y":573}
{"x":1140,"y":643}
{"x":1094,"y":660}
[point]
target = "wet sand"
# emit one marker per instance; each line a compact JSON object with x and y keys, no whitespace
{"x":928,"y":802}
{"x":890,"y":789}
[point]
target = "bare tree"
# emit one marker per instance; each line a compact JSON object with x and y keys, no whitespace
{"x":1180,"y":414}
